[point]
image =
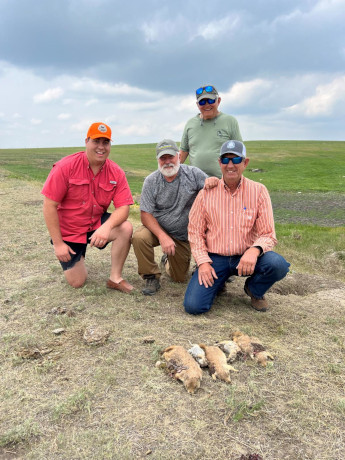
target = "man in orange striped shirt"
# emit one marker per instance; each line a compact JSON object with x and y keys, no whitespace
{"x":231,"y":232}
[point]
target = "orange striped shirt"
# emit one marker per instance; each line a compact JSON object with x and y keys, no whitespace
{"x":228,"y":224}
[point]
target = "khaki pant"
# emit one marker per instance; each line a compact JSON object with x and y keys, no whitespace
{"x":177,"y":266}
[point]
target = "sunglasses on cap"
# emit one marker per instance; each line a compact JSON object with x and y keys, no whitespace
{"x":235,"y":160}
{"x":207,"y":89}
{"x":203,"y":101}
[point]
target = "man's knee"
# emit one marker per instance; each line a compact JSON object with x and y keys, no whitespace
{"x":140,"y":236}
{"x":76,"y":281}
{"x":126,"y":228}
{"x":279,"y":265}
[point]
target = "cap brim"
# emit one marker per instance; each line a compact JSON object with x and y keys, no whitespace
{"x":99,"y":136}
{"x":167,"y":152}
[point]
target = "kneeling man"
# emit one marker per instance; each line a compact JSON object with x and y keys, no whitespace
{"x":78,"y":192}
{"x":231,"y":232}
{"x":166,"y":199}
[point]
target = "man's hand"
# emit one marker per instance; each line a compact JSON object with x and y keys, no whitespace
{"x":248,"y":261}
{"x":167,"y":245}
{"x":63,"y":252}
{"x":101,"y":236}
{"x":211,"y":182}
{"x":206,"y":274}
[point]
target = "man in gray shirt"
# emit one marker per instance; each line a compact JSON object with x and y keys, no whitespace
{"x":166,"y":199}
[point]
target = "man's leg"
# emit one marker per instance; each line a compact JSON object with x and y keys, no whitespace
{"x":199,"y":299}
{"x":121,"y":238}
{"x":76,"y":276}
{"x":144,"y":243}
{"x":270,"y":268}
{"x":177,"y":266}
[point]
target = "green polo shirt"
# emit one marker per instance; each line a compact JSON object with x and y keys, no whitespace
{"x":202,"y":139}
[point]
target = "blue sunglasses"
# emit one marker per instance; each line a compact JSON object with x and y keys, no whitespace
{"x":207,"y":89}
{"x":235,"y":160}
{"x":203,"y":101}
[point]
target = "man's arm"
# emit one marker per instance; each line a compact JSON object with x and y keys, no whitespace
{"x":62,"y":250}
{"x":102,"y":235}
{"x":151,"y":223}
{"x":183,"y":155}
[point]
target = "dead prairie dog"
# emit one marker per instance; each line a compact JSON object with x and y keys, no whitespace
{"x":230,"y":348}
{"x":217,"y":363}
{"x":183,"y":367}
{"x":244,"y":342}
{"x":198,"y":354}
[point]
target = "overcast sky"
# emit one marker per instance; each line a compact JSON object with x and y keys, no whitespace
{"x":279,"y":66}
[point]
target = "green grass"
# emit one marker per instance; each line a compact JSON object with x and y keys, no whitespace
{"x":289,"y":166}
{"x":305,"y":180}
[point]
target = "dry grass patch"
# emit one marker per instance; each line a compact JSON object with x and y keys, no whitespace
{"x":109,"y":401}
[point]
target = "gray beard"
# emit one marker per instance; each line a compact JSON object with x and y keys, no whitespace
{"x":171,"y":172}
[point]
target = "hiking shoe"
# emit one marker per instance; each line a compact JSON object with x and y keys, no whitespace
{"x":257,"y":304}
{"x":164,"y":260}
{"x":152,"y":285}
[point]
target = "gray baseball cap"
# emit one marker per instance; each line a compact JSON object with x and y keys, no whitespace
{"x":235,"y":147}
{"x":205,"y":94}
{"x":166,"y":147}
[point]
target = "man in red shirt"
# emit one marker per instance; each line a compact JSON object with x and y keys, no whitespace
{"x":78,"y":192}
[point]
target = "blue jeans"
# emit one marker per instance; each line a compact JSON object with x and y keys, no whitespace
{"x":270,"y":268}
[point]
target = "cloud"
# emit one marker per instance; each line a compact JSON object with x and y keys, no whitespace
{"x":64,"y":116}
{"x":35,"y":121}
{"x":48,"y":95}
{"x":327,"y":100}
{"x":241,"y":93}
{"x":215,"y":29}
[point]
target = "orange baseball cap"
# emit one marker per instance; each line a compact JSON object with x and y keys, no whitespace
{"x":99,"y":130}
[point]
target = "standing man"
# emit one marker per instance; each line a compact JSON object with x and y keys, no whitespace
{"x":205,"y":133}
{"x":166,"y":199}
{"x":231,"y":232}
{"x":78,"y":192}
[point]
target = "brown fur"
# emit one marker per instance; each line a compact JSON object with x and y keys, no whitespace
{"x":217,"y":363}
{"x":182,"y":366}
{"x":244,"y":342}
{"x":252,"y":347}
{"x":262,"y":357}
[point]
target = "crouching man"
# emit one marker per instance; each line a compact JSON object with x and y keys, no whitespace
{"x":166,"y":199}
{"x":231,"y":232}
{"x":78,"y":192}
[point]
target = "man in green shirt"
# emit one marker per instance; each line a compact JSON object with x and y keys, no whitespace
{"x":205,"y":133}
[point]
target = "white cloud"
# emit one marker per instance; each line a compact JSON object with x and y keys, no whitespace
{"x":242,"y":93}
{"x":326,"y":100}
{"x":35,"y":121}
{"x":90,"y":86}
{"x":91,"y":102}
{"x":214,"y":29}
{"x":64,"y":116}
{"x":48,"y":95}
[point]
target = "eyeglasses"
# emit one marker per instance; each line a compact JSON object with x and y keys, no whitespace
{"x":207,"y":89}
{"x":235,"y":160}
{"x":203,"y":101}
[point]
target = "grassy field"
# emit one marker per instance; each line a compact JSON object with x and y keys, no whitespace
{"x":63,"y":399}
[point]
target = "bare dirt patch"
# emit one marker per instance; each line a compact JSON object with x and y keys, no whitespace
{"x":109,"y":401}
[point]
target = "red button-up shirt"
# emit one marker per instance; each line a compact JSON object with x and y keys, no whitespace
{"x":82,"y":196}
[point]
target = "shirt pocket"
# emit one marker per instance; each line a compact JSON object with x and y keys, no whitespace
{"x":247,"y":218}
{"x":105,"y":194}
{"x":78,"y":189}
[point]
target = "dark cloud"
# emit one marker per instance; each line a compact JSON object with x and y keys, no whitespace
{"x":172,"y":46}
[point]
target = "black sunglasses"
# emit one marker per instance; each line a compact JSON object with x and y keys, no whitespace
{"x":203,"y":101}
{"x":235,"y":160}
